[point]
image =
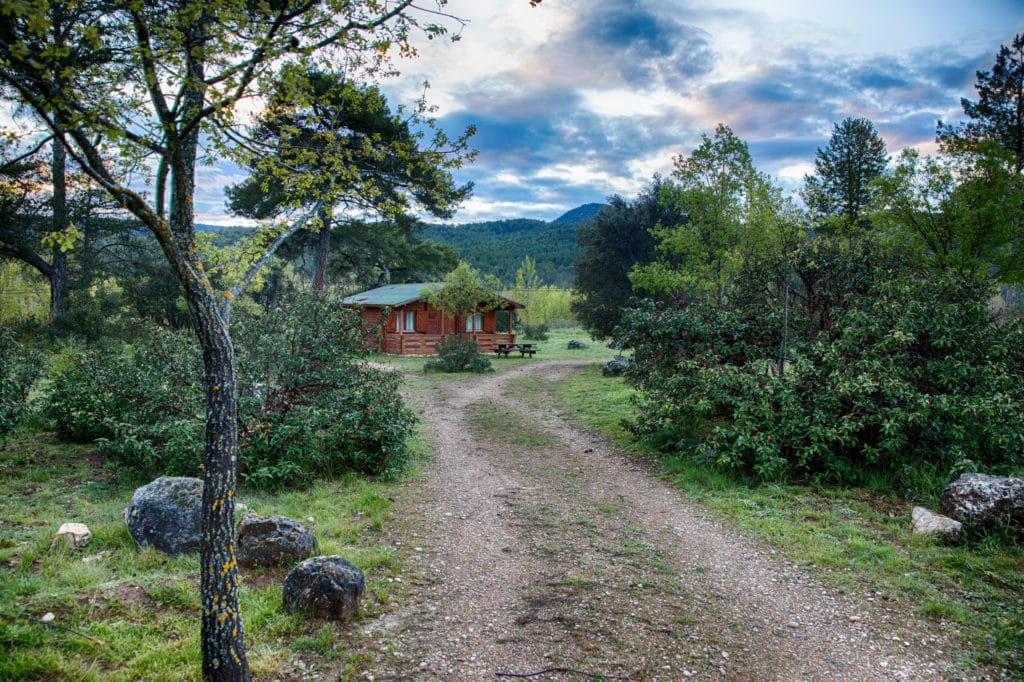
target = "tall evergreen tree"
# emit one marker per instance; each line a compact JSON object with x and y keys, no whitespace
{"x":840,"y":189}
{"x":615,"y":241}
{"x":325,"y":140}
{"x":999,"y":112}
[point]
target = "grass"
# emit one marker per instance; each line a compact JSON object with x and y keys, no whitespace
{"x":492,"y":420}
{"x":124,"y":613}
{"x":855,"y":539}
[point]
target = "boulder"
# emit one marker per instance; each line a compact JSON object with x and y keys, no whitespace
{"x":929,"y":523}
{"x":614,"y":368}
{"x":575,"y":344}
{"x":326,"y":586}
{"x":983,"y":500}
{"x":165,"y":514}
{"x":273,"y":541}
{"x":77,"y":535}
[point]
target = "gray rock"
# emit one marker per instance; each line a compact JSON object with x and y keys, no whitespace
{"x":165,"y":514}
{"x":273,"y":541}
{"x":326,"y":586}
{"x":928,"y":523}
{"x":575,"y":344}
{"x":614,"y":368}
{"x":983,"y":500}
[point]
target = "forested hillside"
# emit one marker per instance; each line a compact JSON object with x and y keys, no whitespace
{"x":498,"y":247}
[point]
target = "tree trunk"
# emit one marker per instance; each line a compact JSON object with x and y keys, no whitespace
{"x":323,"y":248}
{"x":223,"y":644}
{"x":59,"y":273}
{"x":221,"y":633}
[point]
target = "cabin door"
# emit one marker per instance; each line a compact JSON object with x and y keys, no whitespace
{"x":433,"y":322}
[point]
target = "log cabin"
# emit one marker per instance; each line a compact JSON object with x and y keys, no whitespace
{"x":413,"y":326}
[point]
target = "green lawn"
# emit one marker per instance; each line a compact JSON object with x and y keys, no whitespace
{"x":121,"y":613}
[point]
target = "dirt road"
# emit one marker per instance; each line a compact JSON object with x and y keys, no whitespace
{"x":539,"y":551}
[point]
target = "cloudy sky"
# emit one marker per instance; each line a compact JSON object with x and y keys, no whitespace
{"x":576,"y":100}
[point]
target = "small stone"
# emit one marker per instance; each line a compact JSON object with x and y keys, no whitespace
{"x":929,"y":523}
{"x":47,"y":618}
{"x":793,"y":624}
{"x":854,"y":619}
{"x":77,"y":535}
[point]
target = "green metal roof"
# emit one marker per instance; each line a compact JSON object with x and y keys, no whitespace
{"x":399,"y":294}
{"x":391,"y":295}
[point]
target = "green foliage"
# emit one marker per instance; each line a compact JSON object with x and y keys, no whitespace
{"x":535,"y":332}
{"x":464,"y":292}
{"x":733,"y":214}
{"x":24,"y":295}
{"x":614,"y":242}
{"x":499,"y":247}
{"x":19,"y":368}
{"x":141,"y":401}
{"x":544,"y":304}
{"x":996,"y":116}
{"x":458,"y":355}
{"x":308,"y":408}
{"x":840,"y":191}
{"x":958,"y":212}
{"x":921,"y":375}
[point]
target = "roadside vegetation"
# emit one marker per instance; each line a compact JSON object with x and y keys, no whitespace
{"x":857,"y":539}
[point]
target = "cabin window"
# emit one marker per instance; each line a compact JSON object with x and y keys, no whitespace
{"x":475,"y":322}
{"x":409,"y":321}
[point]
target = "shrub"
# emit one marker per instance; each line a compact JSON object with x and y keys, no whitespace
{"x":19,"y":368}
{"x":457,"y":355}
{"x":921,"y":375}
{"x":536,"y":332}
{"x":142,"y":401}
{"x":307,"y":408}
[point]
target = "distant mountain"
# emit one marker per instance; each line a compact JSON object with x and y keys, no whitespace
{"x":498,"y":247}
{"x":579,"y":214}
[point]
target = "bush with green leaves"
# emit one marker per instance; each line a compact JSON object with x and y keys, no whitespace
{"x":141,"y":401}
{"x":307,"y":407}
{"x":457,"y":355}
{"x":20,"y":366}
{"x":922,"y":382}
{"x":536,"y":332}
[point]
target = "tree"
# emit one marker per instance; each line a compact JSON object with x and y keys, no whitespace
{"x":157,"y":80}
{"x":464,"y":293}
{"x":614,"y":242}
{"x":56,"y":232}
{"x":840,"y":190}
{"x":999,"y":112}
{"x":959,"y":212}
{"x":323,"y":139}
{"x":722,"y":194}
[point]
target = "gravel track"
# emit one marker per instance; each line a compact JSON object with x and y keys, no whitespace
{"x":540,"y":551}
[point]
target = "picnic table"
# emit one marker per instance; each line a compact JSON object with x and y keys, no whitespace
{"x":524,"y":349}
